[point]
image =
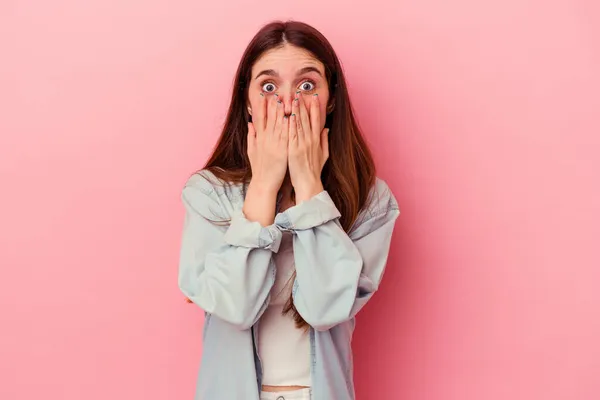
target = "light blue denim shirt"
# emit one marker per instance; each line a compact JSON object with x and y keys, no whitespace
{"x":227,"y":269}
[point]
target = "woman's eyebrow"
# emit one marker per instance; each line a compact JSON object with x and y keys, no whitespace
{"x":268,"y":72}
{"x":272,"y":72}
{"x":306,"y":70}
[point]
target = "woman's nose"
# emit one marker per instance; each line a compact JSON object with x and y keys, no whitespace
{"x":287,"y":98}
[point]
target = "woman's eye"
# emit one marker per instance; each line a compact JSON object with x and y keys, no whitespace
{"x":269,"y":87}
{"x":307,"y":86}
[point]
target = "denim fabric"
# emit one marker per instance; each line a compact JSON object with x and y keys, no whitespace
{"x":226,"y":268}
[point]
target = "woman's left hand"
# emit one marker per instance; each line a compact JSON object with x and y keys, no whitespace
{"x":308,"y":148}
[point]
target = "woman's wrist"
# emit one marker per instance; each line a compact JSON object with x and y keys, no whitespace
{"x":308,"y":191}
{"x":262,"y":189}
{"x":260,"y":203}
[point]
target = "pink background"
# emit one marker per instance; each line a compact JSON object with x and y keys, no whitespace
{"x":483,"y":116}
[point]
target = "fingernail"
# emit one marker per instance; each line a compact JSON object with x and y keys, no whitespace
{"x":279,"y":102}
{"x":276,"y":95}
{"x":293,"y":115}
{"x":297,"y":91}
{"x":285,"y":117}
{"x":296,"y":100}
{"x":262,"y":95}
{"x":316,"y":94}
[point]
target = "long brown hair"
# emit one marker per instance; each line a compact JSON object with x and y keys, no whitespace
{"x":349,"y":172}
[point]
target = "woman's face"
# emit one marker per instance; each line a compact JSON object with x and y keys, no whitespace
{"x":286,"y":70}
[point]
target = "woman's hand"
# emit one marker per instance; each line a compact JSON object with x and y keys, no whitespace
{"x":268,"y":154}
{"x":268,"y":145}
{"x":308,"y":148}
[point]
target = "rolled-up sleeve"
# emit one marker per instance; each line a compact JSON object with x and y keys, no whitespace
{"x":225,"y":263}
{"x":336,"y":272}
{"x":244,"y":233}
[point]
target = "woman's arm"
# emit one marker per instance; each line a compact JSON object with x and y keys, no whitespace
{"x":337,"y":273}
{"x":225,"y":268}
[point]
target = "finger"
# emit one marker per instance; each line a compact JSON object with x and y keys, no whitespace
{"x":271,"y":113}
{"x":278,"y":118}
{"x":251,"y":131}
{"x":315,"y":116}
{"x":325,"y":143}
{"x":293,"y":135}
{"x":304,"y":118}
{"x":258,"y":115}
{"x":251,"y":136}
{"x":285,"y":129}
{"x":296,"y":119}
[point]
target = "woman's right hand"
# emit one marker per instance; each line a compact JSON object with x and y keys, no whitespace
{"x":268,"y":144}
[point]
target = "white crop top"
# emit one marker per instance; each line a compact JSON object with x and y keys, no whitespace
{"x":284,"y":350}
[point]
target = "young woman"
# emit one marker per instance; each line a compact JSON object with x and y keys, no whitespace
{"x":287,"y":227}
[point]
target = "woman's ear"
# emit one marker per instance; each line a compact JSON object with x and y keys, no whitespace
{"x":249,"y":110}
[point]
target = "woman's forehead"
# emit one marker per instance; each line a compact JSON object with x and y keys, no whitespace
{"x":287,"y":60}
